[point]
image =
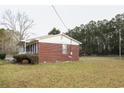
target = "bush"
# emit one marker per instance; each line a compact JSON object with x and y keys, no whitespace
{"x":32,"y":58}
{"x":2,"y":56}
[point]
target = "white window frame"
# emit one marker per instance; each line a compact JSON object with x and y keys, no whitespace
{"x":64,"y":49}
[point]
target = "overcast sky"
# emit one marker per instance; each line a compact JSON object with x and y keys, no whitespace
{"x":45,"y":18}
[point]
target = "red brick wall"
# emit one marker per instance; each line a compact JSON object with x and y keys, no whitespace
{"x":50,"y":53}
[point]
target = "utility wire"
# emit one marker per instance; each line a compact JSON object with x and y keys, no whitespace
{"x":62,"y":23}
{"x":59,"y":17}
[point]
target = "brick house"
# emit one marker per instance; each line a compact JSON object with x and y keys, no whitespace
{"x":52,"y":48}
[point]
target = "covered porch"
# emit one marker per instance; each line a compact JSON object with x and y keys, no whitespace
{"x":26,"y":47}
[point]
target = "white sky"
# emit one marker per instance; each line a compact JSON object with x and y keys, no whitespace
{"x":45,"y":18}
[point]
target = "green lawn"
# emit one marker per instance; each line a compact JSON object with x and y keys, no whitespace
{"x":2,"y":62}
{"x":88,"y":72}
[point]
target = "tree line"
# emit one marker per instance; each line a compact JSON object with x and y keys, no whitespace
{"x":101,"y":37}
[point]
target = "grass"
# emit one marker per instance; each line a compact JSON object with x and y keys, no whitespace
{"x":2,"y":62}
{"x":88,"y":72}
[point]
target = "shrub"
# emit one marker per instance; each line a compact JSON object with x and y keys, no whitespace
{"x":32,"y":58}
{"x":2,"y":56}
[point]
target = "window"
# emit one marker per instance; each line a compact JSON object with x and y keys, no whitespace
{"x":64,"y":49}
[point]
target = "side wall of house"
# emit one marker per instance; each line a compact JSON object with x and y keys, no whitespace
{"x":51,"y":52}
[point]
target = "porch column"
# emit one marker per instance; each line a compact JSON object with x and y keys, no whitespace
{"x":32,"y":48}
{"x":36,"y":48}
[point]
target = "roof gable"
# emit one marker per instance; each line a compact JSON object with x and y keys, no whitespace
{"x":59,"y":38}
{"x":71,"y":38}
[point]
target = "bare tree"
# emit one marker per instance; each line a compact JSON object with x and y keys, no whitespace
{"x":18,"y":24}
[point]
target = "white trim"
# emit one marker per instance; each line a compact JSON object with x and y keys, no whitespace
{"x":51,"y":36}
{"x":71,"y":38}
{"x":59,"y":39}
